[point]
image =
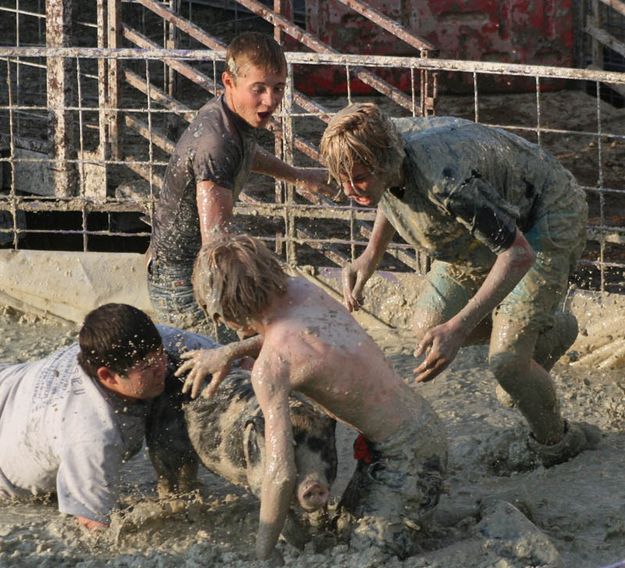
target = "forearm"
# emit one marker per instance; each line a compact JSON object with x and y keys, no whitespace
{"x":507,"y":271}
{"x":381,"y":236}
{"x":249,"y":347}
{"x":276,"y":493}
{"x":268,"y":164}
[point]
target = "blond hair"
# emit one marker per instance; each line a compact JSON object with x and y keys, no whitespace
{"x":259,"y":50}
{"x":361,"y":134}
{"x":235,"y":277}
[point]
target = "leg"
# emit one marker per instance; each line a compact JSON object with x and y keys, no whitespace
{"x":447,"y":289}
{"x":528,"y":384}
{"x":555,"y":341}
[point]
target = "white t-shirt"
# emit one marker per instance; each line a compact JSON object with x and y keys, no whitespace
{"x":60,"y":432}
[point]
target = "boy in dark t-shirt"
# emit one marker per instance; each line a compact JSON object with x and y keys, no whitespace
{"x":505,"y":224}
{"x":208,"y":169}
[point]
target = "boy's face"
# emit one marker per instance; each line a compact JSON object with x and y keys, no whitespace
{"x":144,"y":380}
{"x":254,"y":94}
{"x":364,"y":187}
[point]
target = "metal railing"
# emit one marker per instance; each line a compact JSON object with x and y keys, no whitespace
{"x":108,"y":192}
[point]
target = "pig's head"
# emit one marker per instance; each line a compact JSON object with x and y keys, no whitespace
{"x":315,"y":454}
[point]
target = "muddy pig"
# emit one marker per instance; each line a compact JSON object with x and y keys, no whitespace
{"x":227,"y":434}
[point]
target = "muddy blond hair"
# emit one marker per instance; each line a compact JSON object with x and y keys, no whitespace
{"x":361,"y":134}
{"x":235,"y":277}
{"x":259,"y":50}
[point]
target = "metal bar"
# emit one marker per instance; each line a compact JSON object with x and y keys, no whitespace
{"x":182,"y":24}
{"x":183,"y":68}
{"x":389,"y":25}
{"x":159,"y":96}
{"x":606,"y":39}
{"x":59,"y":89}
{"x":616,"y":5}
{"x":382,"y":61}
{"x":113,"y":39}
{"x":158,"y":138}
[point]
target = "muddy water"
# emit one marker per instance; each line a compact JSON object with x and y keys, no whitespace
{"x":570,"y":515}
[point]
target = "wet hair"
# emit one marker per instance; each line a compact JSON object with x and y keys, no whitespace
{"x":257,"y":49}
{"x":117,"y":336}
{"x":361,"y":134}
{"x":235,"y":277}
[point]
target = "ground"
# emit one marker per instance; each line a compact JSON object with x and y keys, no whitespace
{"x":570,"y":515}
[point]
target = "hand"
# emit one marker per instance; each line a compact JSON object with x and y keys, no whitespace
{"x":440,"y":346}
{"x":315,"y":180}
{"x":355,"y":276}
{"x":203,"y":362}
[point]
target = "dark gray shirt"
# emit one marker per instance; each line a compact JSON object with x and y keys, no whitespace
{"x":468,"y":187}
{"x":217,"y":146}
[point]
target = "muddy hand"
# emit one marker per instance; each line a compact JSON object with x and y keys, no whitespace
{"x":352,"y":287}
{"x":315,"y":180}
{"x":439,"y":348}
{"x":199,"y":365}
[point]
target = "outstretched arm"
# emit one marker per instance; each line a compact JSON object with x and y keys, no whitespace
{"x":216,"y":362}
{"x":272,"y":391}
{"x":441,"y":343}
{"x":356,"y":274}
{"x":313,"y":180}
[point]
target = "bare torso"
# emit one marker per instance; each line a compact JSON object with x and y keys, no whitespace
{"x":333,"y":361}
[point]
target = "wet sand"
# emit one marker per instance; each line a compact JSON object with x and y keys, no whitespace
{"x":571,"y":515}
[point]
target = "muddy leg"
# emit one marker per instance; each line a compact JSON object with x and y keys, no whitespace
{"x":529,"y":384}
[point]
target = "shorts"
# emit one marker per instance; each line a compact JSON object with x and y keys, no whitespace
{"x":393,"y":492}
{"x":557,"y":237}
{"x":171,"y":294}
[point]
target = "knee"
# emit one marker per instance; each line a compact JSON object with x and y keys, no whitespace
{"x":508,"y":368}
{"x":422,"y":322}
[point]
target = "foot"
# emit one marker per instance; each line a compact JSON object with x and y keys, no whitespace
{"x":578,"y":436}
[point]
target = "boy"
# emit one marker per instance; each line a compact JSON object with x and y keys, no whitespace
{"x":312,"y":345}
{"x":505,"y":224}
{"x":69,"y":421}
{"x":209,"y":168}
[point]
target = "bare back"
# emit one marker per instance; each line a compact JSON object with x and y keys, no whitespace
{"x":329,"y":358}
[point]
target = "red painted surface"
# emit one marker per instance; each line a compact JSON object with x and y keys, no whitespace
{"x":536,"y":32}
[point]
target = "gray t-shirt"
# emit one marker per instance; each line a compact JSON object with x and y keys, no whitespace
{"x":60,"y":432}
{"x":468,"y":187}
{"x":217,"y":146}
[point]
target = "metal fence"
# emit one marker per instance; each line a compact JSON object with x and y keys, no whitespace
{"x":72,"y":182}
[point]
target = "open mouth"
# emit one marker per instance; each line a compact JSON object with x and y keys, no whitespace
{"x":264,"y":115}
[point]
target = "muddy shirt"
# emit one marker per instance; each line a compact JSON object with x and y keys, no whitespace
{"x":468,"y":187}
{"x":217,"y":146}
{"x":60,"y":432}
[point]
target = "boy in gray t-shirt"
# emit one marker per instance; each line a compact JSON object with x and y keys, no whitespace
{"x":69,"y":421}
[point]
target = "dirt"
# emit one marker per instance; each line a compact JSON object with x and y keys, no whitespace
{"x":491,"y":516}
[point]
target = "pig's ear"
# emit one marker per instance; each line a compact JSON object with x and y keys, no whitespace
{"x":254,"y":440}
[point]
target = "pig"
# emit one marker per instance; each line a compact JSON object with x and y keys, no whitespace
{"x":226,"y":433}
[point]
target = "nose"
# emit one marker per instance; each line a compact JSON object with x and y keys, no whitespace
{"x":348,"y":189}
{"x":315,"y":496}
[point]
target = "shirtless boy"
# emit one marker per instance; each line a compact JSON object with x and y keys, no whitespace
{"x":309,"y":343}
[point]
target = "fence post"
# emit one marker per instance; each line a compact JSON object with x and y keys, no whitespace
{"x":60,"y":97}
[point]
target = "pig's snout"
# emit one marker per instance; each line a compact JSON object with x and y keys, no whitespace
{"x":313,"y":495}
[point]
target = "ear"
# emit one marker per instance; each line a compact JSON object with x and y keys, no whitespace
{"x":227,"y":79}
{"x":107,"y":377}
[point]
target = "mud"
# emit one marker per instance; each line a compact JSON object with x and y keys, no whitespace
{"x":496,"y":511}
